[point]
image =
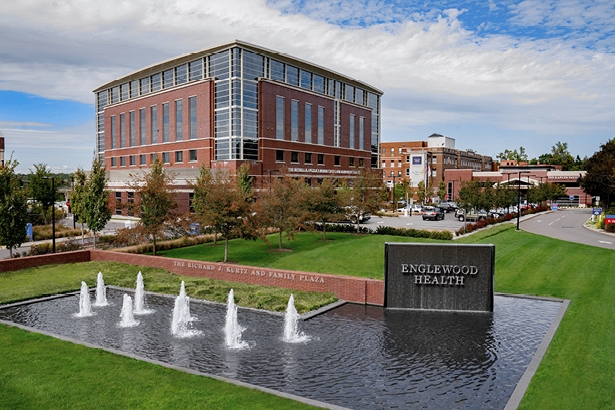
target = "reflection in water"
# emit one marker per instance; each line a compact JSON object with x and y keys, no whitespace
{"x":359,"y":356}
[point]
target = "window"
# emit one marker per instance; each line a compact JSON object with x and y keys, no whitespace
{"x":124,"y":91}
{"x":191,"y":202}
{"x":277,"y":71}
{"x":142,"y":159}
{"x":433,"y":173}
{"x":132,"y":129}
{"x":351,"y":132}
{"x":113,"y":143}
{"x":131,"y":203}
{"x":361,"y":162}
{"x":392,"y":151}
{"x":153,"y":157}
{"x":279,"y":155}
{"x":399,"y":150}
{"x":181,"y":74}
{"x":321,"y":159}
{"x":351,"y":161}
{"x":168,"y":78}
{"x":154,"y":123}
{"x":306,"y":80}
{"x":122,"y":161}
{"x":321,"y":125}
{"x":359,"y":96}
{"x":308,"y":157}
{"x":144,"y":82}
{"x":279,"y":118}
{"x":165,"y":122}
{"x":294,"y":157}
{"x":196,"y":70}
{"x":142,"y":130}
{"x":349,"y":93}
{"x":361,"y":133}
{"x":319,"y":84}
{"x":399,"y":163}
{"x":134,"y":88}
{"x":132,"y":160}
{"x":179,"y":156}
{"x":156,"y":82}
{"x":178,"y":121}
{"x":192,"y":153}
{"x":407,"y":172}
{"x":308,"y":123}
{"x":113,"y":162}
{"x":337,"y":160}
{"x":434,"y":160}
{"x":294,"y":120}
{"x":292,"y":75}
{"x":118,"y":203}
{"x":122,"y":130}
{"x":192,"y":108}
{"x":166,"y":158}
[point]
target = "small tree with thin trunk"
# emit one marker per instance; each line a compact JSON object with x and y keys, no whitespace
{"x":95,"y":201}
{"x":220,"y":202}
{"x":281,"y":207}
{"x":324,"y":204}
{"x":154,"y":202}
{"x":13,"y":208}
{"x":366,"y":195}
{"x":41,"y":188}
{"x":77,"y":196}
{"x":420,"y":193}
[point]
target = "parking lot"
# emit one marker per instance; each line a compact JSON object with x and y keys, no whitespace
{"x":449,"y":223}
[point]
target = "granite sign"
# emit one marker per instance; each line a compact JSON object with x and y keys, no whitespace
{"x":439,"y":277}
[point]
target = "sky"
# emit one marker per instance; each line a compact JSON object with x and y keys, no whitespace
{"x":491,"y":74}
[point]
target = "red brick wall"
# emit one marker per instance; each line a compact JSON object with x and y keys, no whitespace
{"x":358,"y":290}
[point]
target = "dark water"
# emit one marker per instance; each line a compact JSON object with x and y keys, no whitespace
{"x":362,"y":357}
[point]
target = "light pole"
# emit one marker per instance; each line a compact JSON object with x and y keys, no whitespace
{"x":519,"y":195}
{"x":53,"y":213}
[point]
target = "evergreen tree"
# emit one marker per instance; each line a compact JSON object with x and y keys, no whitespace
{"x":13,"y":208}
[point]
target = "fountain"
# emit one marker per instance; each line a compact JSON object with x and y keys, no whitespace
{"x":140,"y":298}
{"x":291,"y":319}
{"x":232,"y":330}
{"x":128,"y":319}
{"x":181,"y":315}
{"x":85,"y":306}
{"x":101,"y":292}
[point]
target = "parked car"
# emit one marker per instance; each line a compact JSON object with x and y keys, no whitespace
{"x":446,"y":207}
{"x":352,"y":217}
{"x":432,"y":212}
{"x":472,"y":216}
{"x":416,"y":209}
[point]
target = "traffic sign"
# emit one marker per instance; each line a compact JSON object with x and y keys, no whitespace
{"x":597,"y":211}
{"x":572,"y":197}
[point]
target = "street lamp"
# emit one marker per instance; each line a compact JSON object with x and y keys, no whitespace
{"x":53,"y":213}
{"x":519,"y":195}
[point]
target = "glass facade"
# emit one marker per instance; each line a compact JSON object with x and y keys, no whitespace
{"x":236,"y":72}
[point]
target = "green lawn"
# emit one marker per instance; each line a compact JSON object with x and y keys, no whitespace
{"x":342,"y":253}
{"x":578,"y":371}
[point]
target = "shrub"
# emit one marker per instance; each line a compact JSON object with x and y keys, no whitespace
{"x":47,"y":247}
{"x":610,"y":228}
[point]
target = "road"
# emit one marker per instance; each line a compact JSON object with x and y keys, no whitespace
{"x":567,"y":225}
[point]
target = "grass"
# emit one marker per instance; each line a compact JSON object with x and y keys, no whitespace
{"x":38,"y":371}
{"x":342,"y":253}
{"x":578,"y":370}
{"x":54,"y":279}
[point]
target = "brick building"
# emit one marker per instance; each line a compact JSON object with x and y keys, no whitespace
{"x":426,"y":161}
{"x":232,"y":104}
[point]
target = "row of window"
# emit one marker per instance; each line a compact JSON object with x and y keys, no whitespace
{"x":434,"y":173}
{"x":319,"y":137}
{"x":131,"y":160}
{"x":308,"y":158}
{"x":133,"y":127}
{"x":217,"y":66}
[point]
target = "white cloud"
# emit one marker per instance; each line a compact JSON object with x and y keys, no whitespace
{"x":430,"y":67}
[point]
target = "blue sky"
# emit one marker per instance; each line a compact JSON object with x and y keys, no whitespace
{"x":494,"y":75}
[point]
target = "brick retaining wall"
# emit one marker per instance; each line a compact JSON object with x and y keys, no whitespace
{"x":358,"y":290}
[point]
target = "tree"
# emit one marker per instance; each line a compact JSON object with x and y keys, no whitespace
{"x":599,"y":180}
{"x":518,"y":156}
{"x":13,"y":208}
{"x":420,"y":193}
{"x":77,"y":196}
{"x":282,"y":207}
{"x":366,"y":195}
{"x":41,"y":189}
{"x":503,"y":195}
{"x":222,"y":203}
{"x":154,"y":200}
{"x":441,"y":190}
{"x":94,"y":205}
{"x":324,"y":205}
